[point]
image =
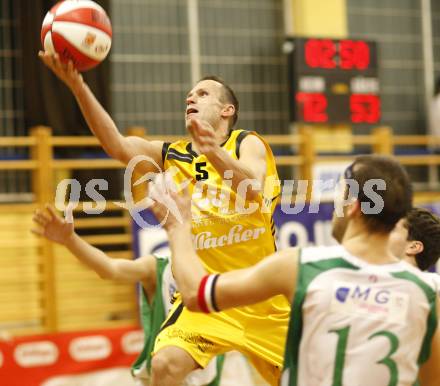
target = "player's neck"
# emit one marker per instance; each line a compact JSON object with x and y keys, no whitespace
{"x":222,"y":135}
{"x":410,"y":260}
{"x":370,"y":247}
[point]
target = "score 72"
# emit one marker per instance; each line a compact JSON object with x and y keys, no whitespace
{"x":312,"y":107}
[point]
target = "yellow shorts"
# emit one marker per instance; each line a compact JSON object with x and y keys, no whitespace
{"x":260,"y":337}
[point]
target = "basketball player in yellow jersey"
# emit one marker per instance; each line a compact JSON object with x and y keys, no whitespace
{"x":228,"y":231}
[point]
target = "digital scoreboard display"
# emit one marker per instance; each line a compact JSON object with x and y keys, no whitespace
{"x":333,"y":81}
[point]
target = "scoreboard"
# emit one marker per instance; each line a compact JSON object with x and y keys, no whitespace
{"x":333,"y":81}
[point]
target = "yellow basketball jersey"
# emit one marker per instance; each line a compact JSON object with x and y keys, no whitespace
{"x":229,"y":233}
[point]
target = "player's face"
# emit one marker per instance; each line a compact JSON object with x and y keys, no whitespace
{"x":398,"y":241}
{"x":204,"y":102}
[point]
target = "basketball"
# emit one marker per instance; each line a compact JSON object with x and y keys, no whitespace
{"x":78,"y":30}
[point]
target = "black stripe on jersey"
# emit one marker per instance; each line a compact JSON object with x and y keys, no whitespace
{"x":227,"y":139}
{"x":165,"y":147}
{"x":190,"y":150}
{"x":178,"y":158}
{"x":274,"y":198}
{"x":174,"y":154}
{"x":173,"y":318}
{"x":272,"y":227}
{"x":240,"y":138}
{"x":179,"y":154}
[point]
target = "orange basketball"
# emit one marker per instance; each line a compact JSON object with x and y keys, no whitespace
{"x":78,"y":30}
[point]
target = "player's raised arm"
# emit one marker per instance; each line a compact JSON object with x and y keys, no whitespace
{"x":202,"y":292}
{"x":61,"y":231}
{"x":99,"y":121}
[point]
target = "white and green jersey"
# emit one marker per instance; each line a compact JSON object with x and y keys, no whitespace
{"x":152,"y":317}
{"x":358,"y":324}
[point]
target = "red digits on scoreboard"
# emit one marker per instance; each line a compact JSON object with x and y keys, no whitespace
{"x":313,"y":106}
{"x":365,"y":108}
{"x":354,"y":55}
{"x":320,"y":53}
{"x":346,"y":54}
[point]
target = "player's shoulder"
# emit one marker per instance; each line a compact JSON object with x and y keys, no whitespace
{"x":317,"y":253}
{"x":245,"y":140}
{"x":252,"y":139}
{"x":182,"y":145}
{"x":433,"y":279}
{"x":246,"y":136}
{"x":429,"y":282}
{"x":179,"y":142}
{"x":436,"y":278}
{"x":180,"y":150}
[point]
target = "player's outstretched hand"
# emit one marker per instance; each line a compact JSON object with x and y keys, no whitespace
{"x":66,"y":72}
{"x":203,"y":136}
{"x":171,"y":208}
{"x":52,"y":226}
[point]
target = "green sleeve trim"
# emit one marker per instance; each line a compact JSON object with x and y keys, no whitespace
{"x":431,"y":323}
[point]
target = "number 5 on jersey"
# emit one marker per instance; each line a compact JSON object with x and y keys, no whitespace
{"x":202,"y":174}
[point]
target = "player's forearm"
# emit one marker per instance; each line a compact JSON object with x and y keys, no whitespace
{"x":187,"y":267}
{"x":91,"y":256}
{"x":99,"y":121}
{"x":223,"y":162}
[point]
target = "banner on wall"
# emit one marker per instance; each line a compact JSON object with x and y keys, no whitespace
{"x":95,"y":358}
{"x":312,"y":226}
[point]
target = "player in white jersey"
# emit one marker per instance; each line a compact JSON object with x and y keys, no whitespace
{"x":157,"y":289}
{"x":416,"y":238}
{"x":360,"y":316}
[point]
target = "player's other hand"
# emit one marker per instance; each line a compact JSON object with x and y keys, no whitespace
{"x":171,"y":208}
{"x":53,"y":227}
{"x":66,"y":72}
{"x":203,"y":136}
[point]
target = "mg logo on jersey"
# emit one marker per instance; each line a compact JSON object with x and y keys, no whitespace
{"x":363,"y":293}
{"x":370,"y":301}
{"x":342,"y":293}
{"x":378,"y":296}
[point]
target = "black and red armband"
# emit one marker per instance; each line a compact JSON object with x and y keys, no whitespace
{"x":206,"y":294}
